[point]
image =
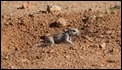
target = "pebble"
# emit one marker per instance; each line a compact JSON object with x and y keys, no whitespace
{"x":67,"y":57}
{"x":81,"y":57}
{"x":61,"y":22}
{"x":103,"y":45}
{"x":6,"y":57}
{"x":26,"y":5}
{"x":101,"y":65}
{"x":85,"y":18}
{"x":101,"y":36}
{"x":53,"y":9}
{"x":24,"y":60}
{"x":8,"y":23}
{"x":11,"y":14}
{"x":108,"y":32}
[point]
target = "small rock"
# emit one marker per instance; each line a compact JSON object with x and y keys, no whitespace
{"x":83,"y":48}
{"x":6,"y":57}
{"x":101,"y":36}
{"x":53,"y":9}
{"x":85,"y":18}
{"x":26,"y":5}
{"x":11,"y":14}
{"x":103,"y":45}
{"x":67,"y":57}
{"x":81,"y":57}
{"x":101,"y":65}
{"x":61,"y":22}
{"x":8,"y":23}
{"x":24,"y":60}
{"x":108,"y":32}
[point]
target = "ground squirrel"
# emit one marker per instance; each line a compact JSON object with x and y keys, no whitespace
{"x":65,"y":36}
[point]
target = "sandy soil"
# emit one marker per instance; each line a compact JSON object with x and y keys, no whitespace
{"x":97,"y":47}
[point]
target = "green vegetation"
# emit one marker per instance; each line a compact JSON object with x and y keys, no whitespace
{"x":115,"y":7}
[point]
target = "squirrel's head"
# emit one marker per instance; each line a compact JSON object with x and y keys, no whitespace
{"x":73,"y":31}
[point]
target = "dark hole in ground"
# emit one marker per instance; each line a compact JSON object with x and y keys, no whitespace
{"x":21,"y":7}
{"x":54,"y":24}
{"x":42,"y":37}
{"x":31,"y":15}
{"x":42,"y":11}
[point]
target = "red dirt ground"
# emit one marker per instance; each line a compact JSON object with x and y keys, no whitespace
{"x":20,"y":32}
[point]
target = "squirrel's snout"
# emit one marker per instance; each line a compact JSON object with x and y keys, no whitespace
{"x":78,"y":33}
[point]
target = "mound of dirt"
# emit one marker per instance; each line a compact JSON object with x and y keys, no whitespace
{"x":98,"y":46}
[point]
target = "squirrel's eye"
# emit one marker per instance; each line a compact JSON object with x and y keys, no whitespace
{"x":73,"y":30}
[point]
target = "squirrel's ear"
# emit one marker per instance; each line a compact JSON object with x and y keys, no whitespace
{"x":68,"y":28}
{"x":47,"y":34}
{"x":64,"y":30}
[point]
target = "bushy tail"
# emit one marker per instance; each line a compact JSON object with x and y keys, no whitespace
{"x":40,"y":44}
